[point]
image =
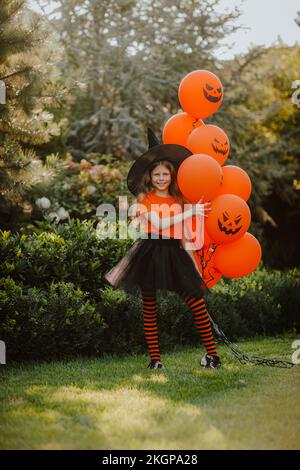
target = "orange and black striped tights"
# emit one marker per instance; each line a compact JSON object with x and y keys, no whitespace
{"x":201,"y":319}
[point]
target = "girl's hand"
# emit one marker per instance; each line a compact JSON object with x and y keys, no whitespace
{"x":201,"y":209}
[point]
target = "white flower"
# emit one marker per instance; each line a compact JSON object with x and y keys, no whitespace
{"x":52,"y":216}
{"x":91,"y":189}
{"x":62,"y":213}
{"x":82,"y":85}
{"x":43,"y":203}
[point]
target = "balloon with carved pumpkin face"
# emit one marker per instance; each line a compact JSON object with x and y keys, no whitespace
{"x":239,"y":258}
{"x":178,"y":127}
{"x":200,"y":93}
{"x":205,"y":262}
{"x":211,"y":140}
{"x":228,"y":219}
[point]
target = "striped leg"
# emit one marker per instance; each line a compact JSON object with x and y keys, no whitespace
{"x":202,"y":323}
{"x":150,"y":323}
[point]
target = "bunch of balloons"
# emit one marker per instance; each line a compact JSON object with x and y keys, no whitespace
{"x":228,"y":249}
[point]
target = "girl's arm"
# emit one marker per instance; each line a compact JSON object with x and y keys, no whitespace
{"x":166,"y":222}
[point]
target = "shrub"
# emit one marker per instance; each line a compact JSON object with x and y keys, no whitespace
{"x":79,"y":188}
{"x":60,"y":252}
{"x":265,"y":302}
{"x":52,"y":323}
{"x":55,"y":271}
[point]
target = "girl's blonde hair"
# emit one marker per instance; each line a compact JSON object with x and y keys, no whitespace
{"x":146,"y":186}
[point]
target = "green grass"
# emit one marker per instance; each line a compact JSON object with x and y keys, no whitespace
{"x":117,"y":403}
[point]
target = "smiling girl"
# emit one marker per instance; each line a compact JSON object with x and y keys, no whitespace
{"x":159,"y":260}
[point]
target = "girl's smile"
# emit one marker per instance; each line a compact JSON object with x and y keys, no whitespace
{"x":161,"y":178}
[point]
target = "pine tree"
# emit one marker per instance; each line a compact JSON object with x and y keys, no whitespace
{"x":25,"y":122}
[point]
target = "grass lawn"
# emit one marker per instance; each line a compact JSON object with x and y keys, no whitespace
{"x":117,"y":403}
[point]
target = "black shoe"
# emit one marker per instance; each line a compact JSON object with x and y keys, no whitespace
{"x":154,"y":364}
{"x":210,"y":362}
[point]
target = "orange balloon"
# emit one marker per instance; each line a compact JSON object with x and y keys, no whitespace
{"x":205,"y":262}
{"x":199,"y":175}
{"x":228,"y":219}
{"x":236,"y":181}
{"x":211,"y":140}
{"x":239,"y":258}
{"x":177,"y":129}
{"x":200,"y":93}
{"x":207,"y":238}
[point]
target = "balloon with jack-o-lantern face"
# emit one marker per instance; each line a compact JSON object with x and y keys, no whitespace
{"x":229,"y":218}
{"x":211,"y":140}
{"x":200,"y":93}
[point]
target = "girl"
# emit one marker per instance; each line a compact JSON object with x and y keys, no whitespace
{"x":159,"y":261}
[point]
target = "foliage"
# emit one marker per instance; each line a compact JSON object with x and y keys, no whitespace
{"x":264,"y":303}
{"x":81,"y":187}
{"x":122,"y":76}
{"x":130,"y":57}
{"x":48,"y":323}
{"x":263,"y":126}
{"x":26,"y":117}
{"x":61,"y":252}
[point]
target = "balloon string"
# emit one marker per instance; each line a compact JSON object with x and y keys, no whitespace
{"x":240,"y":355}
{"x":206,"y":257}
{"x":245,"y":357}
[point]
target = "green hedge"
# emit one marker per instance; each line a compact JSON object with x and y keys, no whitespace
{"x":54,"y":301}
{"x":266,"y":302}
{"x":45,"y":323}
{"x":61,"y":252}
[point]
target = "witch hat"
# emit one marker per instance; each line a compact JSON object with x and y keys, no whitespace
{"x":174,"y":153}
{"x":152,"y":139}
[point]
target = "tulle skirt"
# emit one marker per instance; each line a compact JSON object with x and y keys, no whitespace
{"x":153,"y":264}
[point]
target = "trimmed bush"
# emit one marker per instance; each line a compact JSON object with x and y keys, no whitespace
{"x":60,"y":252}
{"x":266,"y":302}
{"x":53,"y":323}
{"x":54,"y":300}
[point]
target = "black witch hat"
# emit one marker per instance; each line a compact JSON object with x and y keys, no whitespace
{"x":156,"y":152}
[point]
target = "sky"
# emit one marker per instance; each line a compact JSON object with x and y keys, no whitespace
{"x":266,"y":20}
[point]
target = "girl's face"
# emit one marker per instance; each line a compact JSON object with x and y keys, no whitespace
{"x":161,"y":178}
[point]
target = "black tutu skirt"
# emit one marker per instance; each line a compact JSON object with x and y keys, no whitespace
{"x":153,"y":264}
